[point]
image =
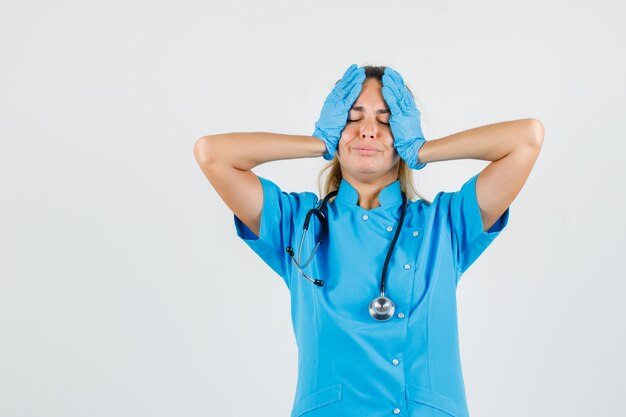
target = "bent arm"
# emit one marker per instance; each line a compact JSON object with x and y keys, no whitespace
{"x":246,"y":150}
{"x":227,"y":159}
{"x":488,"y":143}
{"x":512,"y":146}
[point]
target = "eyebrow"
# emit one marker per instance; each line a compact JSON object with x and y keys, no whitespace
{"x":360,"y":108}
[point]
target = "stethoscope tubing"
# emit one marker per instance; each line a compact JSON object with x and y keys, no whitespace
{"x":381,"y":308}
{"x":393,"y":244}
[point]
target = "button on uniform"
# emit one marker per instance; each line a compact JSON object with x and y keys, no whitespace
{"x":365,"y":217}
{"x":400,"y":315}
{"x":395,"y":361}
{"x":396,"y":411}
{"x":407,"y":266}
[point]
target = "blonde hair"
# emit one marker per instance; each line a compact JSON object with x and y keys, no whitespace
{"x":329,"y":177}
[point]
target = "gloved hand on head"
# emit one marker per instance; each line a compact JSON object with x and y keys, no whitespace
{"x":405,"y":119}
{"x":334,"y":113}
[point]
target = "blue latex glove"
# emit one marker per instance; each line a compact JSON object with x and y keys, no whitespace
{"x":404,"y":120}
{"x":336,"y":107}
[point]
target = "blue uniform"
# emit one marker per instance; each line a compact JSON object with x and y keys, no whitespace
{"x":349,"y":364}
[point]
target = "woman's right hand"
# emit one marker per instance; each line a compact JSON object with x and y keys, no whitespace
{"x":334,"y":113}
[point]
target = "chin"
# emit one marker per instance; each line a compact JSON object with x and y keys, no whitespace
{"x":368,"y":168}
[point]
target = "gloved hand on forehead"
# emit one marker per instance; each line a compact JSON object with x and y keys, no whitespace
{"x":404,"y":120}
{"x":334,"y":113}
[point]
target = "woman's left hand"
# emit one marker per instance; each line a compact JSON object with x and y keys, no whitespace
{"x":404,"y":120}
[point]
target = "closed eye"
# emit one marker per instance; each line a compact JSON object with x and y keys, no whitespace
{"x":378,"y":122}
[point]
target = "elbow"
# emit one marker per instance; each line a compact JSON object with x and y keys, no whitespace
{"x":537,"y":132}
{"x":203,"y":150}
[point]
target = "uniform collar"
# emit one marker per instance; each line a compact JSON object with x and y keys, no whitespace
{"x":388,"y":196}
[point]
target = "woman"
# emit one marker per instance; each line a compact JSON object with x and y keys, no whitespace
{"x":374,"y":311}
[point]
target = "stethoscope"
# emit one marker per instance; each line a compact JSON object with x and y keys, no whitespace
{"x":381,"y":308}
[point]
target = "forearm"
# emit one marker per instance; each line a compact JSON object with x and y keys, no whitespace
{"x":489,"y":143}
{"x":245,"y":150}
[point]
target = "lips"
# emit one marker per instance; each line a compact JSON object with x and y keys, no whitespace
{"x":367,"y":151}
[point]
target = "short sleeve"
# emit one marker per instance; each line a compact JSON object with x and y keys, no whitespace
{"x":469,"y":240}
{"x":280,"y":209}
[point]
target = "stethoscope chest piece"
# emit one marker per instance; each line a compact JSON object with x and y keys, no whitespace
{"x":382,"y":308}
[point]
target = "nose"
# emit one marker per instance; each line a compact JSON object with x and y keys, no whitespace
{"x":368,"y":130}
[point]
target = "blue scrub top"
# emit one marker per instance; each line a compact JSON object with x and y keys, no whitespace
{"x":348,"y":363}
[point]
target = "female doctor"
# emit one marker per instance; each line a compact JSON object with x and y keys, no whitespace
{"x":372,"y":273}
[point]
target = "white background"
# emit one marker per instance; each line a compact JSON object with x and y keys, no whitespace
{"x":124,"y":290}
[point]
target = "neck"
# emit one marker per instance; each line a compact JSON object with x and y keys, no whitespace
{"x":368,"y":190}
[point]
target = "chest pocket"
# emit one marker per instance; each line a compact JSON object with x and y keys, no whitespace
{"x":323,"y":403}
